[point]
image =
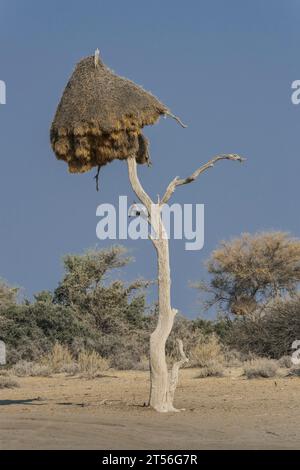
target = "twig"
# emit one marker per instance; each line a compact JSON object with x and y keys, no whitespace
{"x":176,"y":119}
{"x":180,"y":181}
{"x":96,"y":177}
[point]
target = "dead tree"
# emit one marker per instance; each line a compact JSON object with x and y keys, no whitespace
{"x":163,"y":382}
{"x":100,"y":118}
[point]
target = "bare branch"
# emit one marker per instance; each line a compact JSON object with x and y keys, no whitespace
{"x":96,"y":177}
{"x":180,"y":181}
{"x":176,"y":119}
{"x":175,"y":370}
{"x":136,"y":185}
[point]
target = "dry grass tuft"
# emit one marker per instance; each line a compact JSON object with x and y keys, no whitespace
{"x":7,"y":382}
{"x":31,"y":369}
{"x":143,"y":363}
{"x":260,"y":368}
{"x":233,"y":358}
{"x":59,"y":359}
{"x":212,"y":369}
{"x":285,"y":362}
{"x":91,"y":364}
{"x":207,"y":350}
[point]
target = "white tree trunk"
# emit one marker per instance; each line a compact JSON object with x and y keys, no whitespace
{"x":160,"y":398}
{"x":163,"y":384}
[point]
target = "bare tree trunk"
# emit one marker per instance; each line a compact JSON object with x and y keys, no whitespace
{"x":160,"y":398}
{"x":163,"y":383}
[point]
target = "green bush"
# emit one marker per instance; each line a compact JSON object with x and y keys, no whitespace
{"x":269,"y":334}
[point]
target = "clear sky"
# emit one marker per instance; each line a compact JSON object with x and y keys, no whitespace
{"x":225,"y":67}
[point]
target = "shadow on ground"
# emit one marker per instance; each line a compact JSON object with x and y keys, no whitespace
{"x":29,"y":401}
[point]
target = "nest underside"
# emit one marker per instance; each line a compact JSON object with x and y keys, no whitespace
{"x":86,"y":147}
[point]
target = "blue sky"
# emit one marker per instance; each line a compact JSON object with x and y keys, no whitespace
{"x":225,"y":67}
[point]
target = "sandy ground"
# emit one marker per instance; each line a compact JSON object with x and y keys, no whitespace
{"x":62,"y":412}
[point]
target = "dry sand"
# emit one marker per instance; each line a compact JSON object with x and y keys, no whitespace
{"x":63,"y":412}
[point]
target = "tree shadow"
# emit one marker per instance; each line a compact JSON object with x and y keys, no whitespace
{"x":29,"y":401}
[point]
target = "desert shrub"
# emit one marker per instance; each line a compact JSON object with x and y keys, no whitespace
{"x":7,"y":382}
{"x":286,"y":362}
{"x":232,"y":357}
{"x":8,"y":295}
{"x":41,"y":370}
{"x":90,"y":364}
{"x":31,"y":330}
{"x":295,"y":372}
{"x":191,"y":332}
{"x":125,"y":350}
{"x":200,"y":325}
{"x":183,"y":329}
{"x":90,"y":312}
{"x":143,"y":364}
{"x":260,"y":368}
{"x":207,"y":349}
{"x":58,"y":359}
{"x":125,"y":361}
{"x":212,"y":369}
{"x":235,"y":358}
{"x":270,"y":333}
{"x":87,"y":311}
{"x":70,"y":368}
{"x":249,"y":271}
{"x":31,"y":369}
{"x":23,"y":368}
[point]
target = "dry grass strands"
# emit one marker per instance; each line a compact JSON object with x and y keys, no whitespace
{"x":100,"y":117}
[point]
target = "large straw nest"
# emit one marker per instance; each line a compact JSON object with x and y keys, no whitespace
{"x":100,"y":117}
